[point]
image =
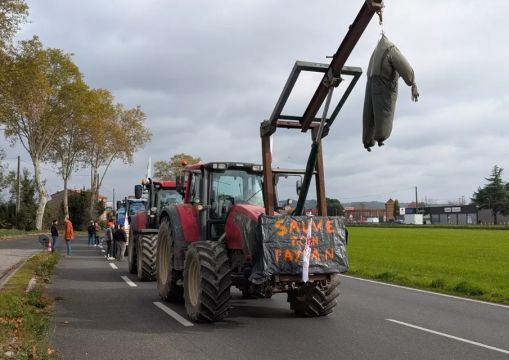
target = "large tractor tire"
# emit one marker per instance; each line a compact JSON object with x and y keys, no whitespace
{"x":132,"y":260}
{"x":312,"y":300}
{"x":169,"y":280}
{"x":146,"y":249}
{"x":207,"y":281}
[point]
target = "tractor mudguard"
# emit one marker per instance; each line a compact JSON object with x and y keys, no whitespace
{"x":280,"y":242}
{"x":240,"y":228}
{"x":185,"y":229}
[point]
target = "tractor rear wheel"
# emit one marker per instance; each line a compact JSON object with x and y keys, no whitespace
{"x":167,"y":276}
{"x":207,"y":281}
{"x":312,"y":300}
{"x":132,"y":261}
{"x":146,"y":249}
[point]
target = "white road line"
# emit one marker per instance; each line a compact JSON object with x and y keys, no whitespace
{"x":128,"y":281}
{"x":173,"y":314}
{"x":426,"y":291}
{"x":113,"y":266}
{"x":449,"y":336}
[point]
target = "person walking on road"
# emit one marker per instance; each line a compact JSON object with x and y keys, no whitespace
{"x":68,"y":234}
{"x":91,"y":234}
{"x":54,"y":235}
{"x":120,"y":237}
{"x":97,"y":231}
{"x":108,"y":235}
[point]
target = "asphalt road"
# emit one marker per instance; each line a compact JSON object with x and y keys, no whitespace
{"x":13,"y":252}
{"x":101,"y":316}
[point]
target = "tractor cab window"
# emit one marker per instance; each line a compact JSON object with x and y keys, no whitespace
{"x":194,"y":192}
{"x":168,"y":197}
{"x":234,"y":187}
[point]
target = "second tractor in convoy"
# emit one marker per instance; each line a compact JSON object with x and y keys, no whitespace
{"x":144,"y":226}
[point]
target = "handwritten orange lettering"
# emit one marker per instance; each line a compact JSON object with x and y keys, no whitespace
{"x":279,"y":224}
{"x":317,"y":226}
{"x":329,"y":254}
{"x":329,"y":228}
{"x":293,"y":240}
{"x":297,"y":255}
{"x":314,"y":240}
{"x":294,"y":227}
{"x":315,"y":255}
{"x":288,"y":256}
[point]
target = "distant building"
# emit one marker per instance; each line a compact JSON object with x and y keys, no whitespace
{"x":451,"y":215}
{"x":389,"y":210}
{"x":55,"y":204}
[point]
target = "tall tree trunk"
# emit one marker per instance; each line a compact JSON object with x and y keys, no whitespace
{"x":494,"y":216}
{"x":66,"y":198}
{"x":43,"y":196}
{"x":93,"y":190}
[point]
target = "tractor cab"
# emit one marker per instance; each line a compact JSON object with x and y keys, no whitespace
{"x":214,"y":188}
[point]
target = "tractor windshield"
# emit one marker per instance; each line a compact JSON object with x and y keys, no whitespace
{"x":168,"y":197}
{"x":136,"y":206}
{"x":235,"y":187}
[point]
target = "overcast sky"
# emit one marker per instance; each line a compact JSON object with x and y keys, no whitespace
{"x":206,"y":73}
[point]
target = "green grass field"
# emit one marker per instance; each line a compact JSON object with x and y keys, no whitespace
{"x":465,"y":262}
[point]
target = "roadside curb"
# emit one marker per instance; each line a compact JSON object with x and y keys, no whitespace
{"x":7,"y":275}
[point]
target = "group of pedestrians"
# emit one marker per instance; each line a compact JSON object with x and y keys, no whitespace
{"x":116,"y":240}
{"x":68,"y":234}
{"x":93,"y":233}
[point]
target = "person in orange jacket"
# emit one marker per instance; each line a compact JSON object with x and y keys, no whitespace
{"x":68,"y":234}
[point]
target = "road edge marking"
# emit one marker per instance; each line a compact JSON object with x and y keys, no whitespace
{"x":128,"y":281}
{"x":173,"y":314}
{"x":426,"y":291}
{"x":113,"y":266}
{"x":449,"y":336}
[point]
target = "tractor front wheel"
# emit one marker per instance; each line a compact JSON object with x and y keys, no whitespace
{"x":312,"y":300}
{"x":146,"y":251}
{"x":207,"y":281}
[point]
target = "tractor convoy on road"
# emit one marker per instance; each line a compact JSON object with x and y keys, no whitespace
{"x":220,"y":224}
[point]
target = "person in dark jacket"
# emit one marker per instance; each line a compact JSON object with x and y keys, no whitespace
{"x":108,"y":235}
{"x":91,"y":234}
{"x":54,"y":235}
{"x":120,"y":238}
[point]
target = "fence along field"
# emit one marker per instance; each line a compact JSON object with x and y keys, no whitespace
{"x":465,"y":262}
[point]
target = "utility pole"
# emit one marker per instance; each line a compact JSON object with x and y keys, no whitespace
{"x":114,"y":206}
{"x":18,"y":195}
{"x":416,"y":206}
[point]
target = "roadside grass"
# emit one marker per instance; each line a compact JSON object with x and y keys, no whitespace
{"x":17,"y":232}
{"x":465,"y":262}
{"x":25,"y":317}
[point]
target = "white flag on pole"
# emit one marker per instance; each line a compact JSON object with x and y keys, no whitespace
{"x":307,"y":254}
{"x":149,"y":168}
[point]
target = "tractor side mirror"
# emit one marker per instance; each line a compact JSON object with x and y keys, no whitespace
{"x":119,"y":204}
{"x":298,"y":186}
{"x":180,"y":182}
{"x":138,"y":191}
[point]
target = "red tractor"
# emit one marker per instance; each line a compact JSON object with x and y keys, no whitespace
{"x":230,"y":230}
{"x":144,"y":226}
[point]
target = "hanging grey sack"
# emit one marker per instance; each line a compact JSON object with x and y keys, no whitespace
{"x":386,"y":65}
